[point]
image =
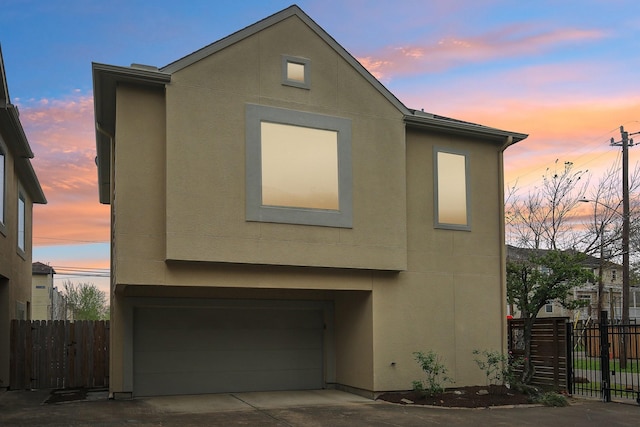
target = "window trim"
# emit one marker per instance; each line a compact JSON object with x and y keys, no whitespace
{"x":21,"y":225}
{"x":3,"y":188}
{"x":306,"y":63}
{"x":436,"y":206}
{"x":255,"y":210}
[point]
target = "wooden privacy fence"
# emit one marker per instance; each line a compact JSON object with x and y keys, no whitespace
{"x":591,"y":339}
{"x":59,"y":354}
{"x":548,"y":349}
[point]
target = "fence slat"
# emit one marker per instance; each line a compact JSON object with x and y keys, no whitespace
{"x":59,"y":354}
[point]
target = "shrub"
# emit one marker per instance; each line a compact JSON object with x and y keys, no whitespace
{"x":498,"y":368}
{"x":552,"y":398}
{"x":435,"y":371}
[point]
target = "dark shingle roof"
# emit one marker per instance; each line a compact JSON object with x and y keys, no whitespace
{"x":40,"y":268}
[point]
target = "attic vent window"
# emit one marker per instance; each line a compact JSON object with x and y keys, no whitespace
{"x":296,"y":72}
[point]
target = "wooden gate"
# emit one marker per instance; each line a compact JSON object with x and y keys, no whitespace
{"x":59,"y":354}
{"x":548,"y":349}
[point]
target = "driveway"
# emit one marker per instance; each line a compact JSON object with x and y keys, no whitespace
{"x":300,"y":408}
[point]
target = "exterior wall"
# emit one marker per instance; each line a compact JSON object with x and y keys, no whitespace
{"x":15,"y":268}
{"x":205,"y":142}
{"x":451,"y":298}
{"x":41,"y":297}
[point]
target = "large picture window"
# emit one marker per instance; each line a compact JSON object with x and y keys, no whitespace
{"x":451,"y":190}
{"x":298,"y":167}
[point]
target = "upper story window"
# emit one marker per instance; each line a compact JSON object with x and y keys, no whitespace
{"x":451,"y":190}
{"x":298,"y":167}
{"x":21,"y":223}
{"x":296,"y":72}
{"x":2,"y":185}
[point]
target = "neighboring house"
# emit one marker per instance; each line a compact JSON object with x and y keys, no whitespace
{"x":19,"y":190}
{"x":612,"y":286}
{"x":47,"y":303}
{"x":280,"y":220}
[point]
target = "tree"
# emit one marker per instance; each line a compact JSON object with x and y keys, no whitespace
{"x":537,"y":278}
{"x":86,"y":300}
{"x":602,"y":233}
{"x":543,"y":218}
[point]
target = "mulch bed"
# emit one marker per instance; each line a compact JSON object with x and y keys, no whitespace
{"x":465,"y":397}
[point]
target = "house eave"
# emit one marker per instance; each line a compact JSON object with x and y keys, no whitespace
{"x":105,"y":80}
{"x":422,"y":120}
{"x":17,"y":142}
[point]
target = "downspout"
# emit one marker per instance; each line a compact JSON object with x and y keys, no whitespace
{"x":503,"y":246}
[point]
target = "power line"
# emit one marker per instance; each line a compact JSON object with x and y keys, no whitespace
{"x":68,"y":240}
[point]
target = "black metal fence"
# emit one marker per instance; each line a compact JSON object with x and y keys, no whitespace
{"x":605,"y":359}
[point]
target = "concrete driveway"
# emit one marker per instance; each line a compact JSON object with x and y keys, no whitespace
{"x":300,"y":408}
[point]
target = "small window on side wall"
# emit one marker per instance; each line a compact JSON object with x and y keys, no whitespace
{"x":2,"y":181}
{"x":451,"y":190}
{"x":21,"y":223}
{"x":296,"y":72}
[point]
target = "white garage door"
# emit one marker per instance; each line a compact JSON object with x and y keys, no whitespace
{"x":190,"y":350}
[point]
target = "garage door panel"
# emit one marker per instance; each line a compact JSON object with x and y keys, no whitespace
{"x":239,"y":339}
{"x":224,"y":382}
{"x":211,"y":350}
{"x":225,"y":318}
{"x":219,"y":361}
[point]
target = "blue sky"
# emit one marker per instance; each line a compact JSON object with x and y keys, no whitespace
{"x":565,"y":72}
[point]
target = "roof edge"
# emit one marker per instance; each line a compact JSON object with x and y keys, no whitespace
{"x":424,"y":120}
{"x":105,"y":79}
{"x":269,"y":21}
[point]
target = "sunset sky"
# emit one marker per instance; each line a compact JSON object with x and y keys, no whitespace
{"x":565,"y":72}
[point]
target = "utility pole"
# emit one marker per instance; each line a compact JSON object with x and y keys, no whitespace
{"x":625,"y":143}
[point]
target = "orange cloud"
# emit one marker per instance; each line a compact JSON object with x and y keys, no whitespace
{"x":61,"y":136}
{"x":448,"y":52}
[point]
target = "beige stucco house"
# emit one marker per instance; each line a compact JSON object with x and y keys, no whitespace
{"x":19,"y":190}
{"x":280,"y":220}
{"x":47,"y":302}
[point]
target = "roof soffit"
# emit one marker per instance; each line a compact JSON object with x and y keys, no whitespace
{"x":16,"y":140}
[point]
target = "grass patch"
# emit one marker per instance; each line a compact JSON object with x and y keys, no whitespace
{"x":593,"y":364}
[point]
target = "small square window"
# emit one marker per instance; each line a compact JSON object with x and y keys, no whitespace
{"x":296,"y":72}
{"x":548,"y":308}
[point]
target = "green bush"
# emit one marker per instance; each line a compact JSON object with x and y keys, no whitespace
{"x":552,"y":398}
{"x":435,"y":372}
{"x":497,"y":367}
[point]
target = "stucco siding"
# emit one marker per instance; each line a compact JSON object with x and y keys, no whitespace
{"x":206,"y":175}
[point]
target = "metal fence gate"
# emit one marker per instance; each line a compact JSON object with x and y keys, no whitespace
{"x":605,"y":359}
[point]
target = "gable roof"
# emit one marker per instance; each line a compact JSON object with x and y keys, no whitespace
{"x":16,"y":140}
{"x":269,"y":21}
{"x":106,"y":77}
{"x":413,"y":117}
{"x":40,"y":268}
